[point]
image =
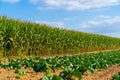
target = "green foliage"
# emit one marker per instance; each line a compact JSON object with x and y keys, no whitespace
{"x":71,"y":66}
{"x":26,"y":38}
{"x":55,"y":77}
{"x":67,"y":75}
{"x":20,"y":73}
{"x":77,"y":74}
{"x":116,"y":77}
{"x":47,"y":76}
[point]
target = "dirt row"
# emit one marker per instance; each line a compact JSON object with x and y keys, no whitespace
{"x":105,"y":74}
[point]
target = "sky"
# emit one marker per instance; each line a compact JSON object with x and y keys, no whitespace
{"x":92,"y":16}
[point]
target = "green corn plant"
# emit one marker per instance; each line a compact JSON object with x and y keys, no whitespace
{"x":28,"y":38}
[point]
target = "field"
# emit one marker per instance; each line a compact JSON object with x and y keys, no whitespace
{"x":26,"y":38}
{"x":47,"y":45}
{"x":61,"y":68}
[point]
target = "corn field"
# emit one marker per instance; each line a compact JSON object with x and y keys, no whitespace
{"x":27,"y":38}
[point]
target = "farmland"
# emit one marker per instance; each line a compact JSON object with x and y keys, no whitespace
{"x":68,"y":66}
{"x":23,"y":38}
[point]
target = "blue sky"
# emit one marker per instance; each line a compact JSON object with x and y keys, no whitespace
{"x":94,"y":16}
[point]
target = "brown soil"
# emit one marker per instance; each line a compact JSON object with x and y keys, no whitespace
{"x":105,"y":74}
{"x":6,"y":74}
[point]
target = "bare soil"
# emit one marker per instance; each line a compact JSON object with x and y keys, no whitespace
{"x":105,"y":74}
{"x":6,"y":74}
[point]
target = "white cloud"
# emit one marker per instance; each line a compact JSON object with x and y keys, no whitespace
{"x":34,"y":1}
{"x":75,"y":4}
{"x":103,"y":17}
{"x":105,"y":25}
{"x":105,"y":21}
{"x":67,"y":19}
{"x":45,"y":8}
{"x":10,"y":1}
{"x":52,"y":24}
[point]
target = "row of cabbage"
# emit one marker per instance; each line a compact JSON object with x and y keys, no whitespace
{"x":75,"y":65}
{"x":26,"y":38}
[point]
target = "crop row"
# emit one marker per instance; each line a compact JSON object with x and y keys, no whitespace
{"x":26,"y":38}
{"x":70,"y":65}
